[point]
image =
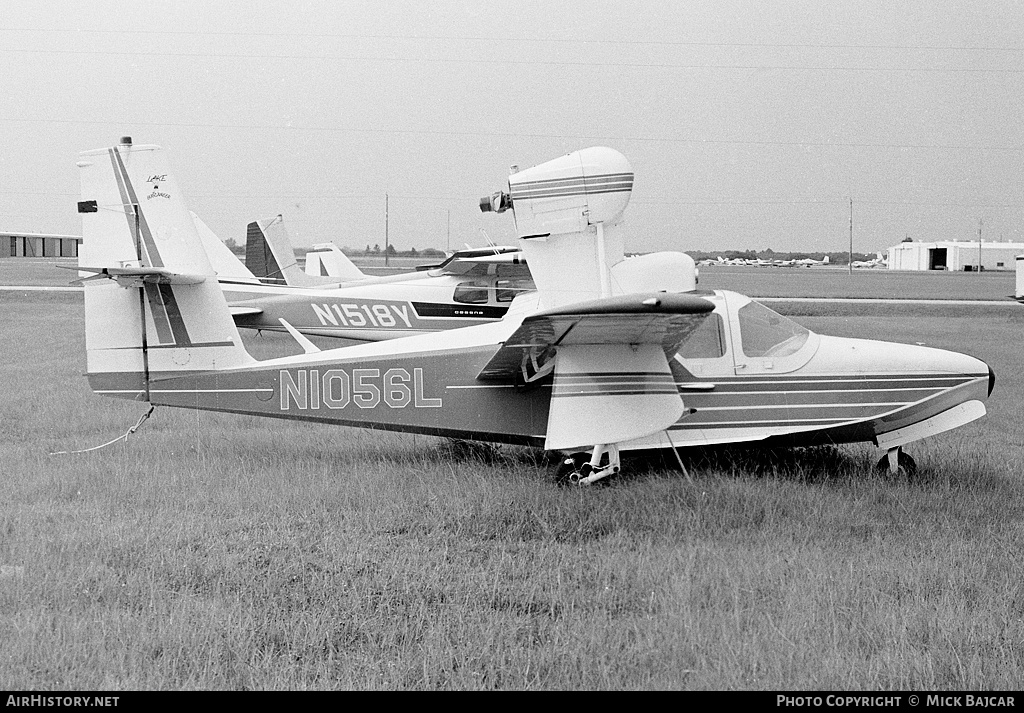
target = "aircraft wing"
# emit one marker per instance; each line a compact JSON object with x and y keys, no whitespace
{"x":662,"y":319}
{"x":511,"y":263}
{"x":610,"y":360}
{"x":468,"y":253}
{"x":240,"y":311}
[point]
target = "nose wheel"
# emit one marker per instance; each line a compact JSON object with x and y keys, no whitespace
{"x":896,"y":462}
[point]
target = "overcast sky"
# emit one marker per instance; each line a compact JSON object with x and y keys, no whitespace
{"x":749,"y":124}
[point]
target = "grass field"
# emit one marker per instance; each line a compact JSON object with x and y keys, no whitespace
{"x":215,"y":551}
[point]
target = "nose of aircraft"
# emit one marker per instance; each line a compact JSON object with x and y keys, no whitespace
{"x":874,"y":356}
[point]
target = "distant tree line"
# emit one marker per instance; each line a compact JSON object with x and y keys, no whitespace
{"x":834,"y":258}
{"x":368,"y":251}
{"x":392,"y":251}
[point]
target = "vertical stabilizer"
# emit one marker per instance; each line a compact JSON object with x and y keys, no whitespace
{"x":223,"y":261}
{"x":270,"y":255}
{"x":327,"y":260}
{"x":161,"y":311}
{"x":260,"y":257}
{"x":567,"y":214}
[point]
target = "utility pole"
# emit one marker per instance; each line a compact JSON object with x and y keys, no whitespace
{"x":386,"y":244}
{"x":448,"y":240}
{"x":850,"y":267}
{"x":980,"y":223}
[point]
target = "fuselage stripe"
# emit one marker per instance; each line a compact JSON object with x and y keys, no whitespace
{"x":558,"y":394}
{"x":751,"y":407}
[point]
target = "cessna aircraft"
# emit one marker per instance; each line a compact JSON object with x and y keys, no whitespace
{"x":267,"y":246}
{"x":811,"y":262}
{"x":608,"y":354}
{"x":460,"y":292}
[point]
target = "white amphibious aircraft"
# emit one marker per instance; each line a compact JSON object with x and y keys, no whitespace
{"x":608,"y":354}
{"x":469,"y":288}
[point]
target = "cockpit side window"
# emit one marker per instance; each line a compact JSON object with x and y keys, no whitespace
{"x":765,"y":333}
{"x":707,"y":341}
{"x":508,"y":290}
{"x":473,"y":293}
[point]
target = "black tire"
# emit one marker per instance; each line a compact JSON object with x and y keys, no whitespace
{"x":905,"y":465}
{"x":570,"y":464}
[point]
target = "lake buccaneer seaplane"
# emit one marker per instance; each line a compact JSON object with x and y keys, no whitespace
{"x":609,"y":354}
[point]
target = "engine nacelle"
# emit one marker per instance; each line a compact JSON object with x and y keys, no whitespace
{"x":567,"y":212}
{"x":567,"y":194}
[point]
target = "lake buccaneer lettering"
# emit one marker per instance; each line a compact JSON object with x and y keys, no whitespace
{"x":312,"y":389}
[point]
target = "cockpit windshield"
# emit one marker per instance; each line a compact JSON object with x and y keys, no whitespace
{"x":765,"y":333}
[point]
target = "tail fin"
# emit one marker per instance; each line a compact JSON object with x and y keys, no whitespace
{"x":824,"y":260}
{"x":270,"y":255}
{"x":162,"y":311}
{"x":223,"y":261}
{"x":327,"y":260}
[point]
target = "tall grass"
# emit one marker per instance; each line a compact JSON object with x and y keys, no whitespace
{"x":222,"y":552}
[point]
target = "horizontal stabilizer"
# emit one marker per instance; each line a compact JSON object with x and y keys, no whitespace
{"x":133,"y":276}
{"x":660,"y":318}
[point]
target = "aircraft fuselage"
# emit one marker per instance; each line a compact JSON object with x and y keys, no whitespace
{"x":374,"y":312}
{"x":750,"y":375}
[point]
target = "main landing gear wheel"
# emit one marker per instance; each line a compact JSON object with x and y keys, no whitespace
{"x":896,"y":462}
{"x":568,"y":469}
{"x":589,"y":468}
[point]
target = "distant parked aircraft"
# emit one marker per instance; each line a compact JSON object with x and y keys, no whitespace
{"x":270,"y":255}
{"x":879,"y":261}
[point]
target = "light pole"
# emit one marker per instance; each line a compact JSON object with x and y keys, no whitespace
{"x":980,"y":223}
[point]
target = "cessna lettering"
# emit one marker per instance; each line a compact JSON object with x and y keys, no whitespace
{"x":334,"y":389}
{"x":365,"y":315}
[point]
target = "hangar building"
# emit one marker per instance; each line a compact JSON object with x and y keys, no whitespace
{"x":38,"y":245}
{"x":964,"y":255}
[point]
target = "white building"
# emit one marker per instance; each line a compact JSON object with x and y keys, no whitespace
{"x":963,"y":255}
